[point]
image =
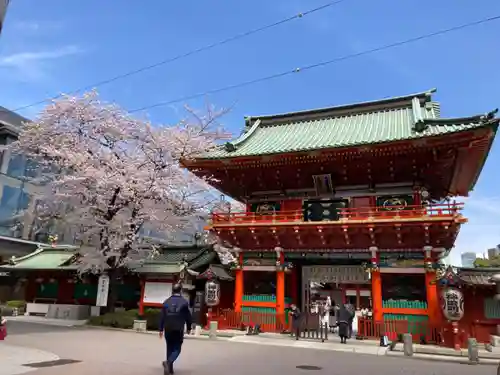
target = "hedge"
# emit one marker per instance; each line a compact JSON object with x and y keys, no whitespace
{"x":125,"y":319}
{"x":16,"y":304}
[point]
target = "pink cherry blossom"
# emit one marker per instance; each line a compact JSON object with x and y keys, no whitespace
{"x":105,"y":174}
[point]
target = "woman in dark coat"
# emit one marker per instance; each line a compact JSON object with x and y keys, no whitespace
{"x":295,"y":313}
{"x":343,"y":318}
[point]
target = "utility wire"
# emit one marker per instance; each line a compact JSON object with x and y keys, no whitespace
{"x":190,"y":53}
{"x":321,"y":64}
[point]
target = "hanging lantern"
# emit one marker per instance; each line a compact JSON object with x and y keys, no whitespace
{"x":212,"y":293}
{"x":53,"y":240}
{"x":452,"y":304}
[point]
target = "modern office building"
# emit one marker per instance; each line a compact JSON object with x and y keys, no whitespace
{"x":4,"y":4}
{"x":468,"y":259}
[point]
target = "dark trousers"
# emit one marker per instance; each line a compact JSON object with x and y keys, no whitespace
{"x":174,"y":340}
{"x":350,"y":329}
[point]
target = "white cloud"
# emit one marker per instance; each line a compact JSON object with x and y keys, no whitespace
{"x":35,"y":27}
{"x":32,"y":65}
{"x":26,"y":26}
{"x":483,"y":229}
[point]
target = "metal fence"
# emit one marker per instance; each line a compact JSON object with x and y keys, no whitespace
{"x":310,"y":327}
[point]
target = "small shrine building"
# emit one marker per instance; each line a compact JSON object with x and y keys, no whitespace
{"x":49,"y":277}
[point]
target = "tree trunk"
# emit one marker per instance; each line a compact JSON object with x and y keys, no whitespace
{"x":113,"y":274}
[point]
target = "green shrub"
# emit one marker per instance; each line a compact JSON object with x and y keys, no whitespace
{"x":125,"y":319}
{"x":116,"y":320}
{"x":152,"y":317}
{"x":16,"y":304}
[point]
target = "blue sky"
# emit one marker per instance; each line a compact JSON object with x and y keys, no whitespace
{"x":53,"y":46}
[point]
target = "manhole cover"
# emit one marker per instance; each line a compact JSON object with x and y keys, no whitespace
{"x":308,"y":367}
{"x":59,"y":362}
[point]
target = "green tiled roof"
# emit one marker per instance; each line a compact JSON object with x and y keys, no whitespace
{"x":159,"y":268}
{"x":178,"y":254}
{"x":169,"y":261}
{"x":203,"y":259}
{"x":395,"y":119}
{"x":41,"y":259}
{"x":217,"y":270}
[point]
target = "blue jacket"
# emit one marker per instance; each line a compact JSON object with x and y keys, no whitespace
{"x":175,"y":314}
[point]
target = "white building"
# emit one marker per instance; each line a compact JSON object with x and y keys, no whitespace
{"x":468,"y":259}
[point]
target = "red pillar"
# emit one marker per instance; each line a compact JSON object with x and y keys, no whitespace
{"x":280,"y":288}
{"x":378,"y":314}
{"x":238,"y":286}
{"x":141,"y":301}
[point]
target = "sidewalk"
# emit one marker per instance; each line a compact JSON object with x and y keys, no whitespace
{"x":353,"y":346}
{"x":12,"y":358}
{"x":46,"y":321}
{"x":442,"y":354}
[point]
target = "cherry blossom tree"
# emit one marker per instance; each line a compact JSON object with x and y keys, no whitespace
{"x":104,"y":174}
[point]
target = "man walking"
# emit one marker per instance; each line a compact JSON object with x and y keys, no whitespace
{"x":174,"y":315}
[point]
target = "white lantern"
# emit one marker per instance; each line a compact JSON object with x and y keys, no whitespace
{"x":212,"y":293}
{"x":452,"y":304}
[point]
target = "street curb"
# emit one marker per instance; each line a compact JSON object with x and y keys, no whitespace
{"x":225,"y":337}
{"x":444,"y":358}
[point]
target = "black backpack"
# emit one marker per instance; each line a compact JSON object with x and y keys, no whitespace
{"x":174,"y":317}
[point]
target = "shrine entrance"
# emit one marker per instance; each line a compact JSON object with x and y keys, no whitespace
{"x":340,"y":283}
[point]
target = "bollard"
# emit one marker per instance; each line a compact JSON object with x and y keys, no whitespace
{"x":407,"y":344}
{"x":197,"y":330}
{"x":212,"y":334}
{"x":472,"y":351}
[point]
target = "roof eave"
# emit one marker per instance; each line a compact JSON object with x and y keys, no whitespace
{"x":494,"y":127}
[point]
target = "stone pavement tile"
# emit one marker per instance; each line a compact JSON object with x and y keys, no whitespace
{"x":127,"y":353}
{"x":8,"y":369}
{"x":20,"y":355}
{"x":12,"y":358}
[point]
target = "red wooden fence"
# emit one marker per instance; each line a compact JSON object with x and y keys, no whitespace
{"x":368,"y":328}
{"x":229,"y":319}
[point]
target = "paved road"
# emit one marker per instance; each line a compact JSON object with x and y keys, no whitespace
{"x":124,"y":353}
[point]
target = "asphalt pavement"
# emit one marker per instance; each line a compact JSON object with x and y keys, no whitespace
{"x":93,"y":351}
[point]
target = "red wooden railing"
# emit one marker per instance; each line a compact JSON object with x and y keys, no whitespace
{"x":345,"y":214}
{"x":269,"y":322}
{"x":368,"y":328}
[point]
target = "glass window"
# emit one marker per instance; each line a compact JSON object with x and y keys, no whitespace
{"x":10,"y":198}
{"x":32,"y":169}
{"x":17,"y":166}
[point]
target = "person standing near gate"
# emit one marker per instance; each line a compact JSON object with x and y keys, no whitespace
{"x":295,"y":314}
{"x":175,"y":315}
{"x":343,"y":318}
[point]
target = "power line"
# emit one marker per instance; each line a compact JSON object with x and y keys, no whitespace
{"x":190,"y":53}
{"x":320,"y":64}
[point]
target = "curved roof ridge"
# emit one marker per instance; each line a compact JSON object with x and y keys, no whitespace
{"x":426,"y":95}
